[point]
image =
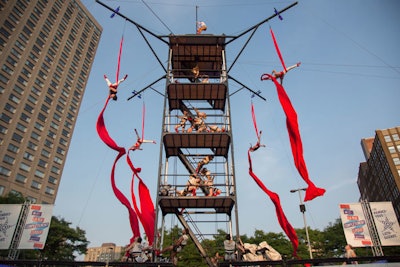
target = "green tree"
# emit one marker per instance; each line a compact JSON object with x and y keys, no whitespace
{"x":62,"y":243}
{"x":333,"y":240}
{"x":12,"y":198}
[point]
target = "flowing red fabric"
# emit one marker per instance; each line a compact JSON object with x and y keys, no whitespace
{"x":119,"y":57}
{"x":106,"y":138}
{"x":283,"y":221}
{"x":146,"y":212}
{"x":295,"y":140}
{"x":277,"y":49}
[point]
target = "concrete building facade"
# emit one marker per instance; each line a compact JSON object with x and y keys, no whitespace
{"x":47,"y":49}
{"x":379,"y":177}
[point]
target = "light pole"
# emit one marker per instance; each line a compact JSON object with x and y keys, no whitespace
{"x":109,"y":255}
{"x":303,"y":210}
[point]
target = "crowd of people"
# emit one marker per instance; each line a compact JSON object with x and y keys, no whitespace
{"x":139,"y":251}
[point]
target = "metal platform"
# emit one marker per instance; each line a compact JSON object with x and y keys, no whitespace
{"x":205,"y":51}
{"x":176,"y":204}
{"x":214,"y":93}
{"x":219,"y":143}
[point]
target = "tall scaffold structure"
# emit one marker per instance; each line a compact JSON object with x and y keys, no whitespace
{"x":196,"y":170}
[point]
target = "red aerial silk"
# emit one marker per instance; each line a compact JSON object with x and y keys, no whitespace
{"x":106,"y":138}
{"x":119,"y":57}
{"x":295,"y":140}
{"x":283,"y":221}
{"x":277,"y":49}
{"x":253,"y":115}
{"x":146,"y":212}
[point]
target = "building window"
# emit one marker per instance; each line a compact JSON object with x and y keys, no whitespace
{"x":1,"y":190}
{"x":38,"y":126}
{"x":9,"y":108}
{"x":55,"y":170}
{"x":32,"y":99}
{"x":42,"y":163}
{"x":35,"y":136}
{"x":53,"y":180}
{"x":60,"y":151}
{"x":48,"y":143}
{"x":8,"y":159}
{"x":5,"y":118}
{"x":28,"y":156}
{"x":3,"y":129}
{"x":3,"y":78}
{"x":58,"y":160}
{"x":36,"y":185}
{"x":4,"y":171}
{"x":16,"y":137}
{"x":54,"y":125}
{"x":51,"y":134}
{"x":63,"y":142}
{"x":29,"y":108}
{"x":25,"y":167}
{"x":7,"y":70}
{"x":39,"y":174}
{"x":20,"y":178}
{"x":13,"y":98}
{"x":396,"y":161}
{"x":13,"y":148}
{"x":21,"y":127}
{"x":45,"y":153}
{"x":32,"y":146}
{"x":42,"y":117}
{"x":49,"y":191}
{"x":25,"y":118}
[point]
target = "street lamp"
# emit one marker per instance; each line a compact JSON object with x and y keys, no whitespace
{"x":109,"y":255}
{"x":303,"y":210}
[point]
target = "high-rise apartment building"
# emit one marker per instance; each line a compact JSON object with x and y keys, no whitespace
{"x":47,"y":49}
{"x":379,"y":177}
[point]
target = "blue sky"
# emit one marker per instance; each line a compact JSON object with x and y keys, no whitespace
{"x":346,"y":87}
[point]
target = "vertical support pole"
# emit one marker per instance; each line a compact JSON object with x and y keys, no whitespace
{"x":376,"y":244}
{"x":13,"y":251}
{"x":303,"y":210}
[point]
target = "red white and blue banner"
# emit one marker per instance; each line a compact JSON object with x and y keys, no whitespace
{"x":355,"y":225}
{"x":36,"y":226}
{"x":386,"y":223}
{"x":9,"y":214}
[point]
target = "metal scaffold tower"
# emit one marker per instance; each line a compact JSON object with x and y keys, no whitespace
{"x":197,"y":162}
{"x":196,"y":171}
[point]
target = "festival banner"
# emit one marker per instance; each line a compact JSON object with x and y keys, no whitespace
{"x":9,"y":214}
{"x":386,"y":223}
{"x":355,"y":225}
{"x":36,"y":226}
